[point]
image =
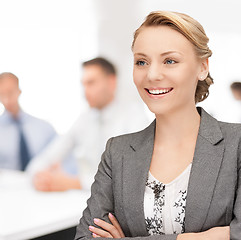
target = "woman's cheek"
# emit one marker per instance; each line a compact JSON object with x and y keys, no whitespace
{"x":137,"y":79}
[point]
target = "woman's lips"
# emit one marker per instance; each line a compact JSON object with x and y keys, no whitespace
{"x":158,"y":92}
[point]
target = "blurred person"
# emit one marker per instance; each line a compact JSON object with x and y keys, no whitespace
{"x":22,"y":136}
{"x":105,"y":117}
{"x":236,"y":90}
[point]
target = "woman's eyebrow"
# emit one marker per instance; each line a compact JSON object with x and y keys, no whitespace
{"x":170,"y":52}
{"x":162,"y":54}
{"x":140,"y":54}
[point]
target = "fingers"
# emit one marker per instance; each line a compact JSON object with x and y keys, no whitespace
{"x":116,"y":224}
{"x":58,"y":181}
{"x":99,"y":232}
{"x":108,"y":229}
{"x":55,"y":167}
{"x":49,"y":181}
{"x":95,"y":235}
{"x":41,"y":181}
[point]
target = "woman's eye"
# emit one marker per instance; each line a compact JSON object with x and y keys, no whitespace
{"x":140,"y":63}
{"x":170,"y":61}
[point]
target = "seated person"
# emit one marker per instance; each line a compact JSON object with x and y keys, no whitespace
{"x":22,"y":136}
{"x":236,"y":90}
{"x":86,"y":139}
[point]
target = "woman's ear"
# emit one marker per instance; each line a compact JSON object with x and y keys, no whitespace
{"x":204,"y":70}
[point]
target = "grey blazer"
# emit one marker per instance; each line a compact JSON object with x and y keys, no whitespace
{"x":214,"y":189}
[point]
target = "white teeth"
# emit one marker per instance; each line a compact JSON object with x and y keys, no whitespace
{"x":159,"y":91}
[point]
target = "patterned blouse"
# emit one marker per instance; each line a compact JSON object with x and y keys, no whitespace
{"x":164,"y":204}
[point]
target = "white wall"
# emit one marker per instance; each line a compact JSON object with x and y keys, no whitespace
{"x":225,"y":67}
{"x":44,"y":43}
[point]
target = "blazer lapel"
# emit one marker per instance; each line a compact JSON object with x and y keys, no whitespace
{"x":207,"y":160}
{"x":205,"y":168}
{"x":136,"y":165}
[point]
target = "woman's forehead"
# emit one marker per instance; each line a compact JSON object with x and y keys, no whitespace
{"x":161,"y":39}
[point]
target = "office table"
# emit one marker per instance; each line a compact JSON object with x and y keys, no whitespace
{"x":26,"y":213}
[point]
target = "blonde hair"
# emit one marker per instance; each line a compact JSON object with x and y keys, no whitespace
{"x":193,"y":31}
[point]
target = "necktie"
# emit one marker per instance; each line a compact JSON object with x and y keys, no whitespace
{"x":24,"y":155}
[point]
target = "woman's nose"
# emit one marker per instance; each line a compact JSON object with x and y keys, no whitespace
{"x":155,"y":72}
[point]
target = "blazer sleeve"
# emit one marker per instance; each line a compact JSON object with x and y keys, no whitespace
{"x":235,"y":225}
{"x":101,"y":201}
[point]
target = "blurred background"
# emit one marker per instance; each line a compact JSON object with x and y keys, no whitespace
{"x":44,"y":43}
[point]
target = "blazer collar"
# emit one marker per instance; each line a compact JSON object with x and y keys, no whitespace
{"x":209,"y":129}
{"x":206,"y":163}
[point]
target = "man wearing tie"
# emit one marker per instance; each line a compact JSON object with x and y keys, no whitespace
{"x":21,"y":136}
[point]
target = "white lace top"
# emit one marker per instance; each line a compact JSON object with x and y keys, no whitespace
{"x":164,"y":204}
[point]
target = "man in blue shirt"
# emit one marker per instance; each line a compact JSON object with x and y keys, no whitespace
{"x":21,"y":136}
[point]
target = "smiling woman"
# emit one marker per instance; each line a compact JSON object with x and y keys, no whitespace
{"x":180,"y":177}
{"x":168,"y":62}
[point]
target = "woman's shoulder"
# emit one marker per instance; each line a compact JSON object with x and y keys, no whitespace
{"x":230,"y":129}
{"x":216,"y":129}
{"x":229,"y":125}
{"x":133,"y":139}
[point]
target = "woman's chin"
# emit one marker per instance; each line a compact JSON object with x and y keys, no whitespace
{"x":159,"y":110}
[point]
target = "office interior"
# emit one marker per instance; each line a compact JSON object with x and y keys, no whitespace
{"x":45,"y":42}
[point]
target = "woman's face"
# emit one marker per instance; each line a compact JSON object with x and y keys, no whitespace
{"x":166,"y":69}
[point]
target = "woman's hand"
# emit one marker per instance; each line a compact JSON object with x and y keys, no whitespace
{"x":219,"y":233}
{"x":108,"y":230}
{"x":216,"y":233}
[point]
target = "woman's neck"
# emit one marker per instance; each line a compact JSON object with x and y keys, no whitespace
{"x":176,"y":127}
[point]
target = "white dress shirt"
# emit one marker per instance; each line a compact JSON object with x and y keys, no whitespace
{"x":164,"y":204}
{"x":37,"y":133}
{"x":87,"y":138}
